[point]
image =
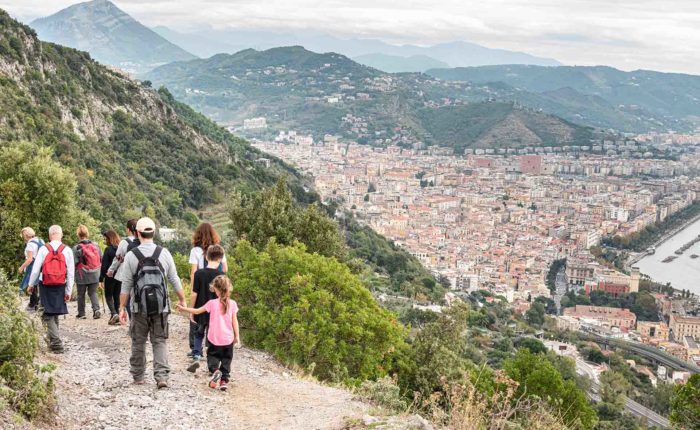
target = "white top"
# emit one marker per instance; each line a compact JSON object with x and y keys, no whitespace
{"x":115,"y":268}
{"x":197,"y":257}
{"x":39,"y":262}
{"x":32,"y":246}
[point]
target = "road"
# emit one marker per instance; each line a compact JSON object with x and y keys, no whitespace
{"x":560,"y":289}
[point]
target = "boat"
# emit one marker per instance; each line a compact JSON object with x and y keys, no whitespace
{"x":693,"y":256}
{"x":651,"y":250}
{"x":669,"y":259}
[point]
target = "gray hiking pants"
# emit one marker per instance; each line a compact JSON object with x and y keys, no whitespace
{"x":140,"y":330}
{"x":51,"y":324}
{"x":91,"y":290}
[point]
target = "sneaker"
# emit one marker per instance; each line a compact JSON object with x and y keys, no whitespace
{"x":31,"y":308}
{"x":138,"y":382}
{"x":114,"y":320}
{"x":162,"y":384}
{"x":194,"y":365}
{"x":223,"y":385}
{"x":190,"y":354}
{"x":96,"y":315}
{"x":56,"y":350}
{"x":81,"y":317}
{"x":215,"y":378}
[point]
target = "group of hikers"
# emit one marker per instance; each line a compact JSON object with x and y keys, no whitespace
{"x":133,"y":274}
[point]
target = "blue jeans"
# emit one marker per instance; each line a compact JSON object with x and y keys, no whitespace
{"x":197,"y":338}
{"x":25,"y":279}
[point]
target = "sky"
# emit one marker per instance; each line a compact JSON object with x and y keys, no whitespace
{"x":661,"y":35}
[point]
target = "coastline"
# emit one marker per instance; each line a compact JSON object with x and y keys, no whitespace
{"x":635,"y":258}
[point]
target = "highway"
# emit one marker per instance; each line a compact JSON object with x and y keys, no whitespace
{"x":646,"y":351}
{"x":634,"y":408}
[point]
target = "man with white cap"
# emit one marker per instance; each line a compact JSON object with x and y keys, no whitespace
{"x":144,"y":272}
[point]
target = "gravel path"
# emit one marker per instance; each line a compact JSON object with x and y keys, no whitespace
{"x":94,"y":388}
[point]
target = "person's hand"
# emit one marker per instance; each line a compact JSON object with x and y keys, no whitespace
{"x":123,"y":317}
{"x":20,"y":269}
{"x":181,"y":304}
{"x":110,"y":274}
{"x":101,"y":286}
{"x":191,"y":318}
{"x":66,"y":298}
{"x":237,"y":344}
{"x":30,"y":289}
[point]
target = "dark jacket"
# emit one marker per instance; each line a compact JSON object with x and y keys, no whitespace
{"x":107,"y":258}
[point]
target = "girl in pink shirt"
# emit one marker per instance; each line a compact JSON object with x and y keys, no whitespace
{"x":222,"y":333}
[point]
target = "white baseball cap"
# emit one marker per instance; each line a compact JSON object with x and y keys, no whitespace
{"x":145,"y":225}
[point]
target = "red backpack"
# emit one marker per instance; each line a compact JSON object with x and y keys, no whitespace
{"x":54,"y":270}
{"x":90,"y":257}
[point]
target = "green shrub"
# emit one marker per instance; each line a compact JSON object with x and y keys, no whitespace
{"x":22,"y":386}
{"x":311,"y":311}
{"x":385,"y":393}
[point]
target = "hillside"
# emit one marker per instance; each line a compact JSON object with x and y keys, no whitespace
{"x":132,"y":148}
{"x":630,"y":101}
{"x":294,"y":88}
{"x":397,"y":63}
{"x":110,"y":36}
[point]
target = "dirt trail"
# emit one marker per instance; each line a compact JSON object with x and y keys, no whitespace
{"x":94,"y":388}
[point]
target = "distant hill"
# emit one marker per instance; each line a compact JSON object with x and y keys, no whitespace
{"x":396,"y":64}
{"x":132,"y":148}
{"x":453,"y":54}
{"x":110,"y":36}
{"x":328,"y":93}
{"x":629,"y":101}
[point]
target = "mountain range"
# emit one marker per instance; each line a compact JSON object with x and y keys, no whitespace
{"x":639,"y":101}
{"x":320,"y":94}
{"x":110,"y":36}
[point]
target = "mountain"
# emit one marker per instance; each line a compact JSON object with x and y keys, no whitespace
{"x":294,"y":88}
{"x":110,"y":36}
{"x":132,"y":148}
{"x":454,"y":54}
{"x":396,"y":64}
{"x":629,"y":101}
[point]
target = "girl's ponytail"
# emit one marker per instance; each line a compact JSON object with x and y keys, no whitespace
{"x":223,"y":285}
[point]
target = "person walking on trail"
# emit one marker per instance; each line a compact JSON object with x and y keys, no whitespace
{"x":31,"y":250}
{"x":204,"y":236}
{"x":88,"y":262}
{"x":143,"y":278}
{"x":111,"y":287}
{"x":125,"y":245}
{"x":223,"y":334}
{"x":54,"y":273}
{"x":201,"y":294}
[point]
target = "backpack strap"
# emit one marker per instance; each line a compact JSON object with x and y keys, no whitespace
{"x":139,"y":255}
{"x":156,"y":253}
{"x":60,"y":248}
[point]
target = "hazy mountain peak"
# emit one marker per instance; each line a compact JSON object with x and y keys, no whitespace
{"x":110,"y":35}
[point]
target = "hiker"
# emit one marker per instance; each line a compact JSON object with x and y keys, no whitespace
{"x":143,"y":274}
{"x":125,"y":245}
{"x":201,"y":294}
{"x":111,"y":287}
{"x":31,"y":250}
{"x":54,"y":273}
{"x":204,"y":237}
{"x":88,"y":262}
{"x":222,"y":334}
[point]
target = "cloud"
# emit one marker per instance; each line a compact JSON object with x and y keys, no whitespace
{"x":652,"y":34}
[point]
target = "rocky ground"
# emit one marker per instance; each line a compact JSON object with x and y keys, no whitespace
{"x":94,"y":388}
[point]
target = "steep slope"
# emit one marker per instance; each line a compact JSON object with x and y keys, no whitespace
{"x":638,"y":98}
{"x":110,"y":36}
{"x":294,"y":88}
{"x":131,"y":148}
{"x":396,"y":63}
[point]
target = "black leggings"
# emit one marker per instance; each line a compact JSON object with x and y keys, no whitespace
{"x":219,"y":357}
{"x":113,"y":289}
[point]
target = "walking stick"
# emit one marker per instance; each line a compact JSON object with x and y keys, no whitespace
{"x":104,"y":310}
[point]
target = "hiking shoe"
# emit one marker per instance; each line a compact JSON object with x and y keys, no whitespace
{"x":138,"y":382}
{"x":81,"y":317}
{"x":56,"y":350}
{"x":162,"y":384}
{"x":193,"y":366}
{"x":215,"y":378}
{"x":96,"y":315}
{"x":190,"y":354}
{"x":223,"y":385}
{"x":31,"y":308}
{"x":114,"y":320}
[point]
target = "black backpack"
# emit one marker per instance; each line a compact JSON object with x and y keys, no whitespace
{"x":150,"y":293}
{"x":133,"y":243}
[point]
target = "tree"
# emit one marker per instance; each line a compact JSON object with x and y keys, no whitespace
{"x":535,"y":315}
{"x":613,"y":388}
{"x":35,"y":191}
{"x":310,"y":310}
{"x":532,"y":345}
{"x":685,"y":404}
{"x":273,"y":214}
{"x":537,"y":376}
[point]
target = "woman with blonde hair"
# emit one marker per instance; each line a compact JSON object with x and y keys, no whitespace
{"x":31,"y":249}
